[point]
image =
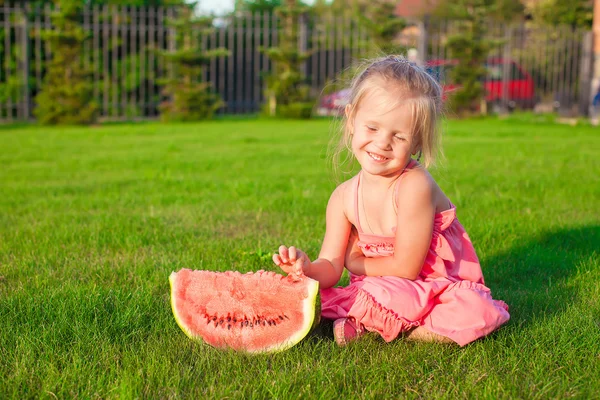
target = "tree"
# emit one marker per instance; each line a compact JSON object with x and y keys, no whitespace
{"x":576,"y":13}
{"x":187,"y":98}
{"x":286,"y":91}
{"x":382,"y":25}
{"x":470,"y":48}
{"x":260,"y":6}
{"x":66,"y":96}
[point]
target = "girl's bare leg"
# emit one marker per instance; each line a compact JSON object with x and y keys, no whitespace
{"x":423,"y":335}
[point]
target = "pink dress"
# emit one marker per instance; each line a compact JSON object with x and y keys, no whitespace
{"x":448,"y":298}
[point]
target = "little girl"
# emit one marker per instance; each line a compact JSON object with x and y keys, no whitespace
{"x":413,"y":269}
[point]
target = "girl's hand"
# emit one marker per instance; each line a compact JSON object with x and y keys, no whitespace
{"x":292,"y":260}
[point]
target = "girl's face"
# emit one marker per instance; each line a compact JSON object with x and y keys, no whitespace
{"x":382,"y":140}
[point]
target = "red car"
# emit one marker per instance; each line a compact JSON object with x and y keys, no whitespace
{"x":519,"y":86}
{"x":334,"y":103}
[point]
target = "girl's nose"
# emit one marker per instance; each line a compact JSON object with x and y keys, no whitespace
{"x":382,"y":141}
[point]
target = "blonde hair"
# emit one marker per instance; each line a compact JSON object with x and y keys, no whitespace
{"x":414,"y":85}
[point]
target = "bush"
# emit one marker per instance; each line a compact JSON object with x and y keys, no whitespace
{"x":298,"y":110}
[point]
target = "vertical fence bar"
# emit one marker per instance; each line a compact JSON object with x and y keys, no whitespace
{"x":157,"y":66}
{"x":560,"y":65}
{"x":585,"y":74}
{"x":324,"y":50}
{"x":546,"y":68}
{"x":134,"y":81}
{"x":555,"y":64}
{"x":302,"y":40}
{"x":7,"y":59}
{"x":331,"y":49}
{"x":230,"y":67}
{"x":86,"y":51}
{"x":339,"y":47}
{"x":96,"y":52}
{"x":314,"y":58}
{"x":521,"y":62}
{"x":542,"y":65}
{"x":142,"y":46}
{"x":355,"y":35}
{"x":422,"y":40}
{"x":105,"y":61}
{"x":38,"y":47}
{"x":238,"y":79}
{"x":123,"y":56}
{"x":212,"y":67}
{"x":115,"y":61}
{"x":567,"y":69}
{"x":505,"y":65}
{"x":4,"y":16}
{"x":203,"y":43}
{"x":171,"y":40}
{"x":18,"y":57}
{"x":347,"y":54}
{"x":25,"y":61}
{"x":222,"y":63}
{"x":574,"y":66}
{"x":152,"y":66}
{"x":256,"y":32}
{"x":248,"y":39}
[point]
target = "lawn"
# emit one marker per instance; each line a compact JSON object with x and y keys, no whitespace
{"x":93,"y":221}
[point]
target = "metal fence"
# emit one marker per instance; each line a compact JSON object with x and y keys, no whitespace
{"x":545,"y":69}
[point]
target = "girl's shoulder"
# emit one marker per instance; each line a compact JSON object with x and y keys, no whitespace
{"x":417,"y":184}
{"x":346,"y":188}
{"x":417,"y":175}
{"x":344,"y":193}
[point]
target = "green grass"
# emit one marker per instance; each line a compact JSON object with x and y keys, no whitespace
{"x":93,"y":221}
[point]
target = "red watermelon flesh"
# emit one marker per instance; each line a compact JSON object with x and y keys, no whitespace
{"x":254,"y":312}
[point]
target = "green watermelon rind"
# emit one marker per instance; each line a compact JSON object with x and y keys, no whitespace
{"x":312,"y":314}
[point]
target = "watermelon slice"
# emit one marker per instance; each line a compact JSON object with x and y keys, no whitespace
{"x":259,"y":312}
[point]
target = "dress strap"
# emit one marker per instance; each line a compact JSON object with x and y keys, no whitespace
{"x":411,"y":164}
{"x":356,"y":202}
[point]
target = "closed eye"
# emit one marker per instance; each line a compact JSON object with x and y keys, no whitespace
{"x":399,"y":137}
{"x":371,"y":128}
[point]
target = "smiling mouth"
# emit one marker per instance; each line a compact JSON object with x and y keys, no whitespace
{"x":376,"y":157}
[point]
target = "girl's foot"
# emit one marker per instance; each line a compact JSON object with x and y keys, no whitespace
{"x":346,"y":330}
{"x":421,"y":334}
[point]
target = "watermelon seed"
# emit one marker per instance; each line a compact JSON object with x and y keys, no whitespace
{"x":228,"y":326}
{"x":281,"y":318}
{"x":228,"y":319}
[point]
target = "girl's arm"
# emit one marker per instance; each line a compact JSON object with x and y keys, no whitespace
{"x":328,"y":268}
{"x":414,"y":231}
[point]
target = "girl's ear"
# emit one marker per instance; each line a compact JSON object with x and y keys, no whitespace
{"x":347,"y":113}
{"x":347,"y":110}
{"x":416,"y":149}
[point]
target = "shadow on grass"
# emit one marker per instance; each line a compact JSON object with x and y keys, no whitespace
{"x":536,"y":278}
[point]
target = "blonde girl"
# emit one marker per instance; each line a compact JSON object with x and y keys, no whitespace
{"x":413,"y":269}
